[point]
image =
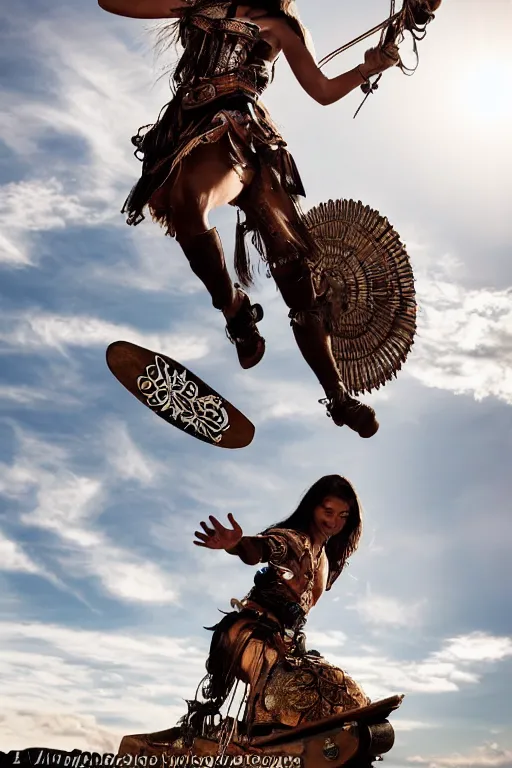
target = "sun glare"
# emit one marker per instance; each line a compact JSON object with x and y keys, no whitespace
{"x":484,"y":90}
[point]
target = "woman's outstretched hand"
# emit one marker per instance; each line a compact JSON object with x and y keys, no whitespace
{"x":377,"y":60}
{"x":219,"y":537}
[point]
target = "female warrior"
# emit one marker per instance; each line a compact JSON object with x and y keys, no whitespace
{"x":215,"y":144}
{"x":262,"y":643}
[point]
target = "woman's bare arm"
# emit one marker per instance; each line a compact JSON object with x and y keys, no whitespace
{"x":322,"y":89}
{"x":250,"y":550}
{"x":144,"y":9}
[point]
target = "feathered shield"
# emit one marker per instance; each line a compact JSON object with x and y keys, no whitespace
{"x":365,"y":275}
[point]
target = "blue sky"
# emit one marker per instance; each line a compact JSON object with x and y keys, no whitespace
{"x":102,"y":595}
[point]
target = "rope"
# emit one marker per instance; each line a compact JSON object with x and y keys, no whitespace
{"x":377,"y":28}
{"x":392,"y":30}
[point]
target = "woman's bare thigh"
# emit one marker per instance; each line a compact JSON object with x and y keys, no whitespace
{"x":205,"y":179}
{"x":256,"y":655}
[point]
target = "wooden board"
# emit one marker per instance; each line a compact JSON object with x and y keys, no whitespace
{"x":178,"y":396}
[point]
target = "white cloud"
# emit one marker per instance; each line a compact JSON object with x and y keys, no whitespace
{"x":71,"y":390}
{"x":381,"y":676}
{"x":98,"y":93}
{"x":130,"y":578}
{"x":490,"y":755}
{"x":68,"y":505}
{"x":126,"y":459}
{"x":22,"y":394}
{"x":84,"y":689}
{"x":231,"y":479}
{"x":476,"y":647}
{"x":115,"y":649}
{"x":284,"y":399}
{"x":13,"y":253}
{"x":464,"y":340}
{"x":155,"y":263}
{"x":56,"y":730}
{"x":442,"y":671}
{"x":13,"y":558}
{"x":33,"y":330}
{"x":45,"y":205}
{"x":329,"y":639}
{"x":99,"y":96}
{"x":64,"y":502}
{"x":382,"y":610}
{"x":34,"y":206}
{"x":405,"y":726}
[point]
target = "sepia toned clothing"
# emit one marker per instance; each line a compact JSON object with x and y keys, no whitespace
{"x":263,"y":642}
{"x":218,"y":82}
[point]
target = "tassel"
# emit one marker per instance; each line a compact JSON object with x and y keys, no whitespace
{"x":242,"y":262}
{"x":291,"y":179}
{"x":258,"y":243}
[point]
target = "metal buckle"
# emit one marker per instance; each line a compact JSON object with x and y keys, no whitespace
{"x":201,"y":94}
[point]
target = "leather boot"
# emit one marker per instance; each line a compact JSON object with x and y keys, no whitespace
{"x":206,"y":258}
{"x":315,"y":344}
{"x":344,"y":409}
{"x":242,"y":332}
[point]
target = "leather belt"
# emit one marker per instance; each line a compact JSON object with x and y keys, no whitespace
{"x":210,"y":90}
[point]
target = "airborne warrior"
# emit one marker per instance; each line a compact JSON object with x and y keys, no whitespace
{"x":215,"y":144}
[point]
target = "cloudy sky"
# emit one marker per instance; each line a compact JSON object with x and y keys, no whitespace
{"x":103,"y":598}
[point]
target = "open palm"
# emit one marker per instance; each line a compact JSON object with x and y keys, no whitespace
{"x":217,"y":536}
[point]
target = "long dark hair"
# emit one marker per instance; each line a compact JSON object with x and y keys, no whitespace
{"x":341,"y":546}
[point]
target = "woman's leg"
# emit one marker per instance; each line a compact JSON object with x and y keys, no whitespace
{"x":280,"y":693}
{"x":205,"y":180}
{"x":268,"y":204}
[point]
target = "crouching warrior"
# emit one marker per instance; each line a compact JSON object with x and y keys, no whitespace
{"x":262,"y":643}
{"x":291,"y":700}
{"x":215,"y":144}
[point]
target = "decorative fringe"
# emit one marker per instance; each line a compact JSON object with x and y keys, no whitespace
{"x":290,"y":176}
{"x":371,"y":295}
{"x":243,"y":268}
{"x":199,"y":718}
{"x":258,"y":243}
{"x":223,"y":668}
